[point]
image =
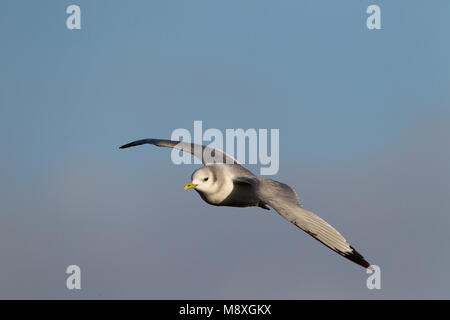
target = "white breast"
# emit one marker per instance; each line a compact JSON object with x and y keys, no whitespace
{"x":222,"y":193}
{"x":223,"y":187}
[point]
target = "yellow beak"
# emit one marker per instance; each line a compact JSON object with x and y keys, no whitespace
{"x":189,"y":186}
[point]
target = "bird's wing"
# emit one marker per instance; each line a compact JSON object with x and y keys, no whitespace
{"x":206,"y":154}
{"x":284,"y":200}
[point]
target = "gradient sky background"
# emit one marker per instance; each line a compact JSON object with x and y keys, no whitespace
{"x":364,"y":138}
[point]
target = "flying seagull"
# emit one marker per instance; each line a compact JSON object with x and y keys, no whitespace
{"x":222,"y":181}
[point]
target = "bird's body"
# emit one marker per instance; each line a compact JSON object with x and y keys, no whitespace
{"x":224,"y":182}
{"x":226,"y":189}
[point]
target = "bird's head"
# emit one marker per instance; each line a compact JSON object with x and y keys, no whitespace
{"x":203,"y":180}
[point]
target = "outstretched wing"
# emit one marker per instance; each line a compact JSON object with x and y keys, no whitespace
{"x":284,"y":200}
{"x":206,"y":154}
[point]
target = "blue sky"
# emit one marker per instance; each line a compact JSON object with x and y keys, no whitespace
{"x":363,"y":118}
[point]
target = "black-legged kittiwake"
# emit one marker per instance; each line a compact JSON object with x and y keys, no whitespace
{"x":227,"y":183}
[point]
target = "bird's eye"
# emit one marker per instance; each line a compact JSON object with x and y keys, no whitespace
{"x":206,"y":179}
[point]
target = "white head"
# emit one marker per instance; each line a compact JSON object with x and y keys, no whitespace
{"x":203,"y":180}
{"x":213,"y":182}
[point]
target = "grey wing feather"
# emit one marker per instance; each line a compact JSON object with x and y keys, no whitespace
{"x":284,"y":200}
{"x":206,"y":154}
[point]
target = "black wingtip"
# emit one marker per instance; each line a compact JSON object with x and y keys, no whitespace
{"x":125,"y":146}
{"x":135,"y":143}
{"x":357,"y":258}
{"x":131,"y":144}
